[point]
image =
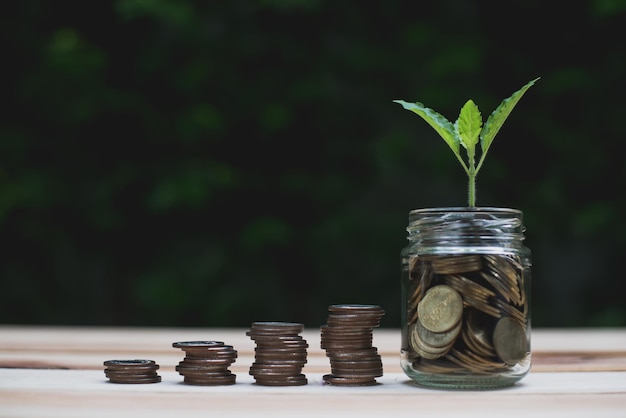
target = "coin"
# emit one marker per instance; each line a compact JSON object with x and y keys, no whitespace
{"x":130,"y":364}
{"x":361,"y":353}
{"x":198,"y":344}
{"x":456,"y":264}
{"x":418,"y":287}
{"x":423,"y":349}
{"x":510,"y":341}
{"x":438,"y":339}
{"x":505,"y":273}
{"x":482,"y":305}
{"x":440,"y":309}
{"x":212,"y":381}
{"x":202,"y":373}
{"x":349,"y":381}
{"x":468,"y":287}
{"x":204,"y":365}
{"x":439,"y":366}
{"x":355,"y":308}
{"x":509,"y":310}
{"x":130,"y":372}
{"x":275,"y":328}
{"x":477,"y":334}
{"x":297,"y":380}
{"x":274,"y":370}
{"x":135,"y":379}
{"x":280,"y":343}
{"x":345,"y":333}
{"x":496,"y":284}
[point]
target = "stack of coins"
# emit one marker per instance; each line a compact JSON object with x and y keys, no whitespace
{"x":206,"y":363}
{"x":280,"y":353}
{"x":347,"y":338}
{"x":132,"y":371}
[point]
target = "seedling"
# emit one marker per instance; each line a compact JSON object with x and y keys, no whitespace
{"x":468,"y":130}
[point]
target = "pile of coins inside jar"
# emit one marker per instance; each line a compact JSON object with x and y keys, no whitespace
{"x":466,"y":313}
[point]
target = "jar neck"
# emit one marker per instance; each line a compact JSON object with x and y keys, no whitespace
{"x":463,"y":229}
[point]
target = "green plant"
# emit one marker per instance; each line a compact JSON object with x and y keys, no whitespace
{"x":468,"y":130}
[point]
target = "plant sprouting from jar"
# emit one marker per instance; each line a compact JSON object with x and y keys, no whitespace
{"x":468,"y":131}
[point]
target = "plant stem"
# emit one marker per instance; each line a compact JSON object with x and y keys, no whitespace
{"x":471,"y":174}
{"x":471,"y":188}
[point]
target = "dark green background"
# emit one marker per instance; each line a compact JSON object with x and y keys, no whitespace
{"x":214,"y":163}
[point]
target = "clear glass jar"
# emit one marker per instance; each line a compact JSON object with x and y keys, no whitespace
{"x":465,"y":298}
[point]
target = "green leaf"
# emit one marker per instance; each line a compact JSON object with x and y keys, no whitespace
{"x":469,"y":125}
{"x":438,"y":122}
{"x":498,"y":116}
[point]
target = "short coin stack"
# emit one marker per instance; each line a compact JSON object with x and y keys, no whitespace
{"x":132,"y":371}
{"x":280,"y":353}
{"x":347,"y":339}
{"x":206,"y":363}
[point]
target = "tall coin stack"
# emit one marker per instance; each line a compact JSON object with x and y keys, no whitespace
{"x":206,"y":363}
{"x":280,"y":353}
{"x":347,"y":338}
{"x":132,"y":371}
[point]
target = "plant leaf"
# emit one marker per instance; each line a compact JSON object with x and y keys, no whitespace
{"x":498,"y":116}
{"x":469,"y":124}
{"x":438,"y":122}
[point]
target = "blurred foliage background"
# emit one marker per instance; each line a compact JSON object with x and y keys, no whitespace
{"x":214,"y":163}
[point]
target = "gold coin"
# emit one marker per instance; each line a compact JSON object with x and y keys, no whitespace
{"x":440,"y":309}
{"x":435,"y":366}
{"x":477,"y":333}
{"x":438,"y":339}
{"x":456,"y":264}
{"x":424,"y":350}
{"x":506,"y":276}
{"x":468,"y":287}
{"x":482,"y":305}
{"x":477,"y":363}
{"x":414,"y":264}
{"x":460,"y":360}
{"x":508,"y":310}
{"x":509,"y":340}
{"x":497,"y":285}
{"x":416,"y":291}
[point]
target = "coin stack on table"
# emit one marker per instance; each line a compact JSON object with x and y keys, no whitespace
{"x":206,"y":363}
{"x":347,"y":338}
{"x":280,"y":353}
{"x":467,"y":313}
{"x":132,"y":371}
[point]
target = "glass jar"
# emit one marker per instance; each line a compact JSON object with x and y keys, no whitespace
{"x":465,"y":298}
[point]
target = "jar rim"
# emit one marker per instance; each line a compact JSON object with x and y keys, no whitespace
{"x":466,"y":209}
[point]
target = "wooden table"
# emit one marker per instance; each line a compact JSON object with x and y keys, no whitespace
{"x":58,"y":372}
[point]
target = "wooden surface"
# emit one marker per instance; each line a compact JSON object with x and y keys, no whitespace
{"x":58,"y":372}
